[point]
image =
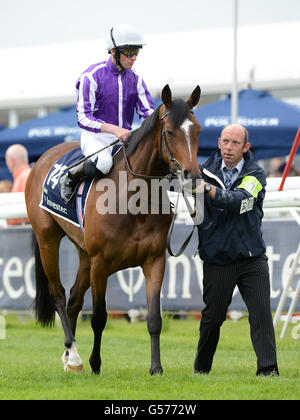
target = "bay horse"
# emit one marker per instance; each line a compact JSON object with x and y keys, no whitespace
{"x":167,"y":139}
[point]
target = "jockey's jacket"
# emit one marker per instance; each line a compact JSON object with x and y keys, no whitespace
{"x":104,"y":94}
{"x":235,"y":232}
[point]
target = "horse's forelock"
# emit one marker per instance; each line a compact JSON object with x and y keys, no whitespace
{"x":178,"y":112}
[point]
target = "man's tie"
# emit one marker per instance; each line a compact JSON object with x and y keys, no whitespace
{"x":229,"y":173}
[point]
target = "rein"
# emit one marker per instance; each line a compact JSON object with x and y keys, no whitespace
{"x":128,"y":168}
{"x":171,"y":157}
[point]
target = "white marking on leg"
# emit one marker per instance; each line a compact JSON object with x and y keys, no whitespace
{"x":186,"y":127}
{"x":65,"y":359}
{"x":72,"y":359}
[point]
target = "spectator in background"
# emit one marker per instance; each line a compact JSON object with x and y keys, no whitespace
{"x":294,"y":171}
{"x":5,"y":186}
{"x":16,"y":158}
{"x":277,"y":166}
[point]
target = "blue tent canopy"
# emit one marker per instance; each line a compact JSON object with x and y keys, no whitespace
{"x":272,"y":124}
{"x":40,"y":134}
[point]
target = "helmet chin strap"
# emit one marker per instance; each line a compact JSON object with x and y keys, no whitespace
{"x":117,"y":51}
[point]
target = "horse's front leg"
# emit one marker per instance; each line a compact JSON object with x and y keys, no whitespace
{"x":154,"y":273}
{"x":79,"y":288}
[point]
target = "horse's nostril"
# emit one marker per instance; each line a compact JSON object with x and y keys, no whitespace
{"x":186,"y":174}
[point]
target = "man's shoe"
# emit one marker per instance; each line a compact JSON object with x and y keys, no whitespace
{"x":200,"y":372}
{"x":270,"y":372}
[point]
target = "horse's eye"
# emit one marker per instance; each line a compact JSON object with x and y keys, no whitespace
{"x":170,"y":133}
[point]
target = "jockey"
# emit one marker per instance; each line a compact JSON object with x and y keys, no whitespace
{"x":107,"y":95}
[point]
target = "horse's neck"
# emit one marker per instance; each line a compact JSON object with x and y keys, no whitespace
{"x":146,"y":159}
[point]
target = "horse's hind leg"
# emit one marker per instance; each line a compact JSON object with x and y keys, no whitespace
{"x":154,"y":270}
{"x":49,"y":254}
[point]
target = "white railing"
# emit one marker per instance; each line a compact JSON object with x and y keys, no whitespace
{"x":12,"y":205}
{"x":291,"y":183}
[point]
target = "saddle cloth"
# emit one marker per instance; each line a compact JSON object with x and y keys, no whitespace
{"x":51,"y":199}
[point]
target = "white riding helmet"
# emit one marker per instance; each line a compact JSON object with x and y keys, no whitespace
{"x":124,"y":35}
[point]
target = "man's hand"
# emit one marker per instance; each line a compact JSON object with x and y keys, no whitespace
{"x":121,"y":133}
{"x":200,"y":190}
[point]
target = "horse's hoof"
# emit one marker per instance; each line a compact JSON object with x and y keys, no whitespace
{"x":156,"y":371}
{"x":71,"y":360}
{"x":95,"y":364}
{"x":78,"y":369}
{"x":96,"y":369}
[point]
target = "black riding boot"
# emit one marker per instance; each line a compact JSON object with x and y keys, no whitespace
{"x":70,"y":179}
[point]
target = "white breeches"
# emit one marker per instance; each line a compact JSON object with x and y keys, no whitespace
{"x":91,"y":142}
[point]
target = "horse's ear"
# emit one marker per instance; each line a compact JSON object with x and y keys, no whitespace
{"x":166,"y":96}
{"x":195,"y":97}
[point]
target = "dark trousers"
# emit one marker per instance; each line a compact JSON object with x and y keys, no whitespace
{"x":251,"y":275}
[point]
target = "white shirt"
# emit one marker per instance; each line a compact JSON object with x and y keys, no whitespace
{"x":239,"y":168}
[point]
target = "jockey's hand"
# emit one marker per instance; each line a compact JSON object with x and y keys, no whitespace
{"x":121,"y":133}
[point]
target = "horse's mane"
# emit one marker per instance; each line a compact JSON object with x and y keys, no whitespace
{"x":141,"y":132}
{"x":178,"y":112}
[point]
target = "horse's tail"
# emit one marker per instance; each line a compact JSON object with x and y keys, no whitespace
{"x":43,"y":303}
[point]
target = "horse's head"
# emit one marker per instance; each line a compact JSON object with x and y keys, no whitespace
{"x":179,"y":133}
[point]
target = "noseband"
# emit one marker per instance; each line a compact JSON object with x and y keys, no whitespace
{"x":163,"y":141}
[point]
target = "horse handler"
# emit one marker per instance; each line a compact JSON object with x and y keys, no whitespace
{"x":233,"y":250}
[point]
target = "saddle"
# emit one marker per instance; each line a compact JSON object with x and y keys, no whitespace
{"x":51,"y":200}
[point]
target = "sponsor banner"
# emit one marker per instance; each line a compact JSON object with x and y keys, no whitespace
{"x":182,"y":286}
{"x":221,"y":121}
{"x":53,"y":131}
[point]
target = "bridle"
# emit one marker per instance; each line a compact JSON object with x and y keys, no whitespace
{"x":163,"y":142}
{"x":171,"y":175}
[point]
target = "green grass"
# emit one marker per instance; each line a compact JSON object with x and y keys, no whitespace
{"x":30,"y":366}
